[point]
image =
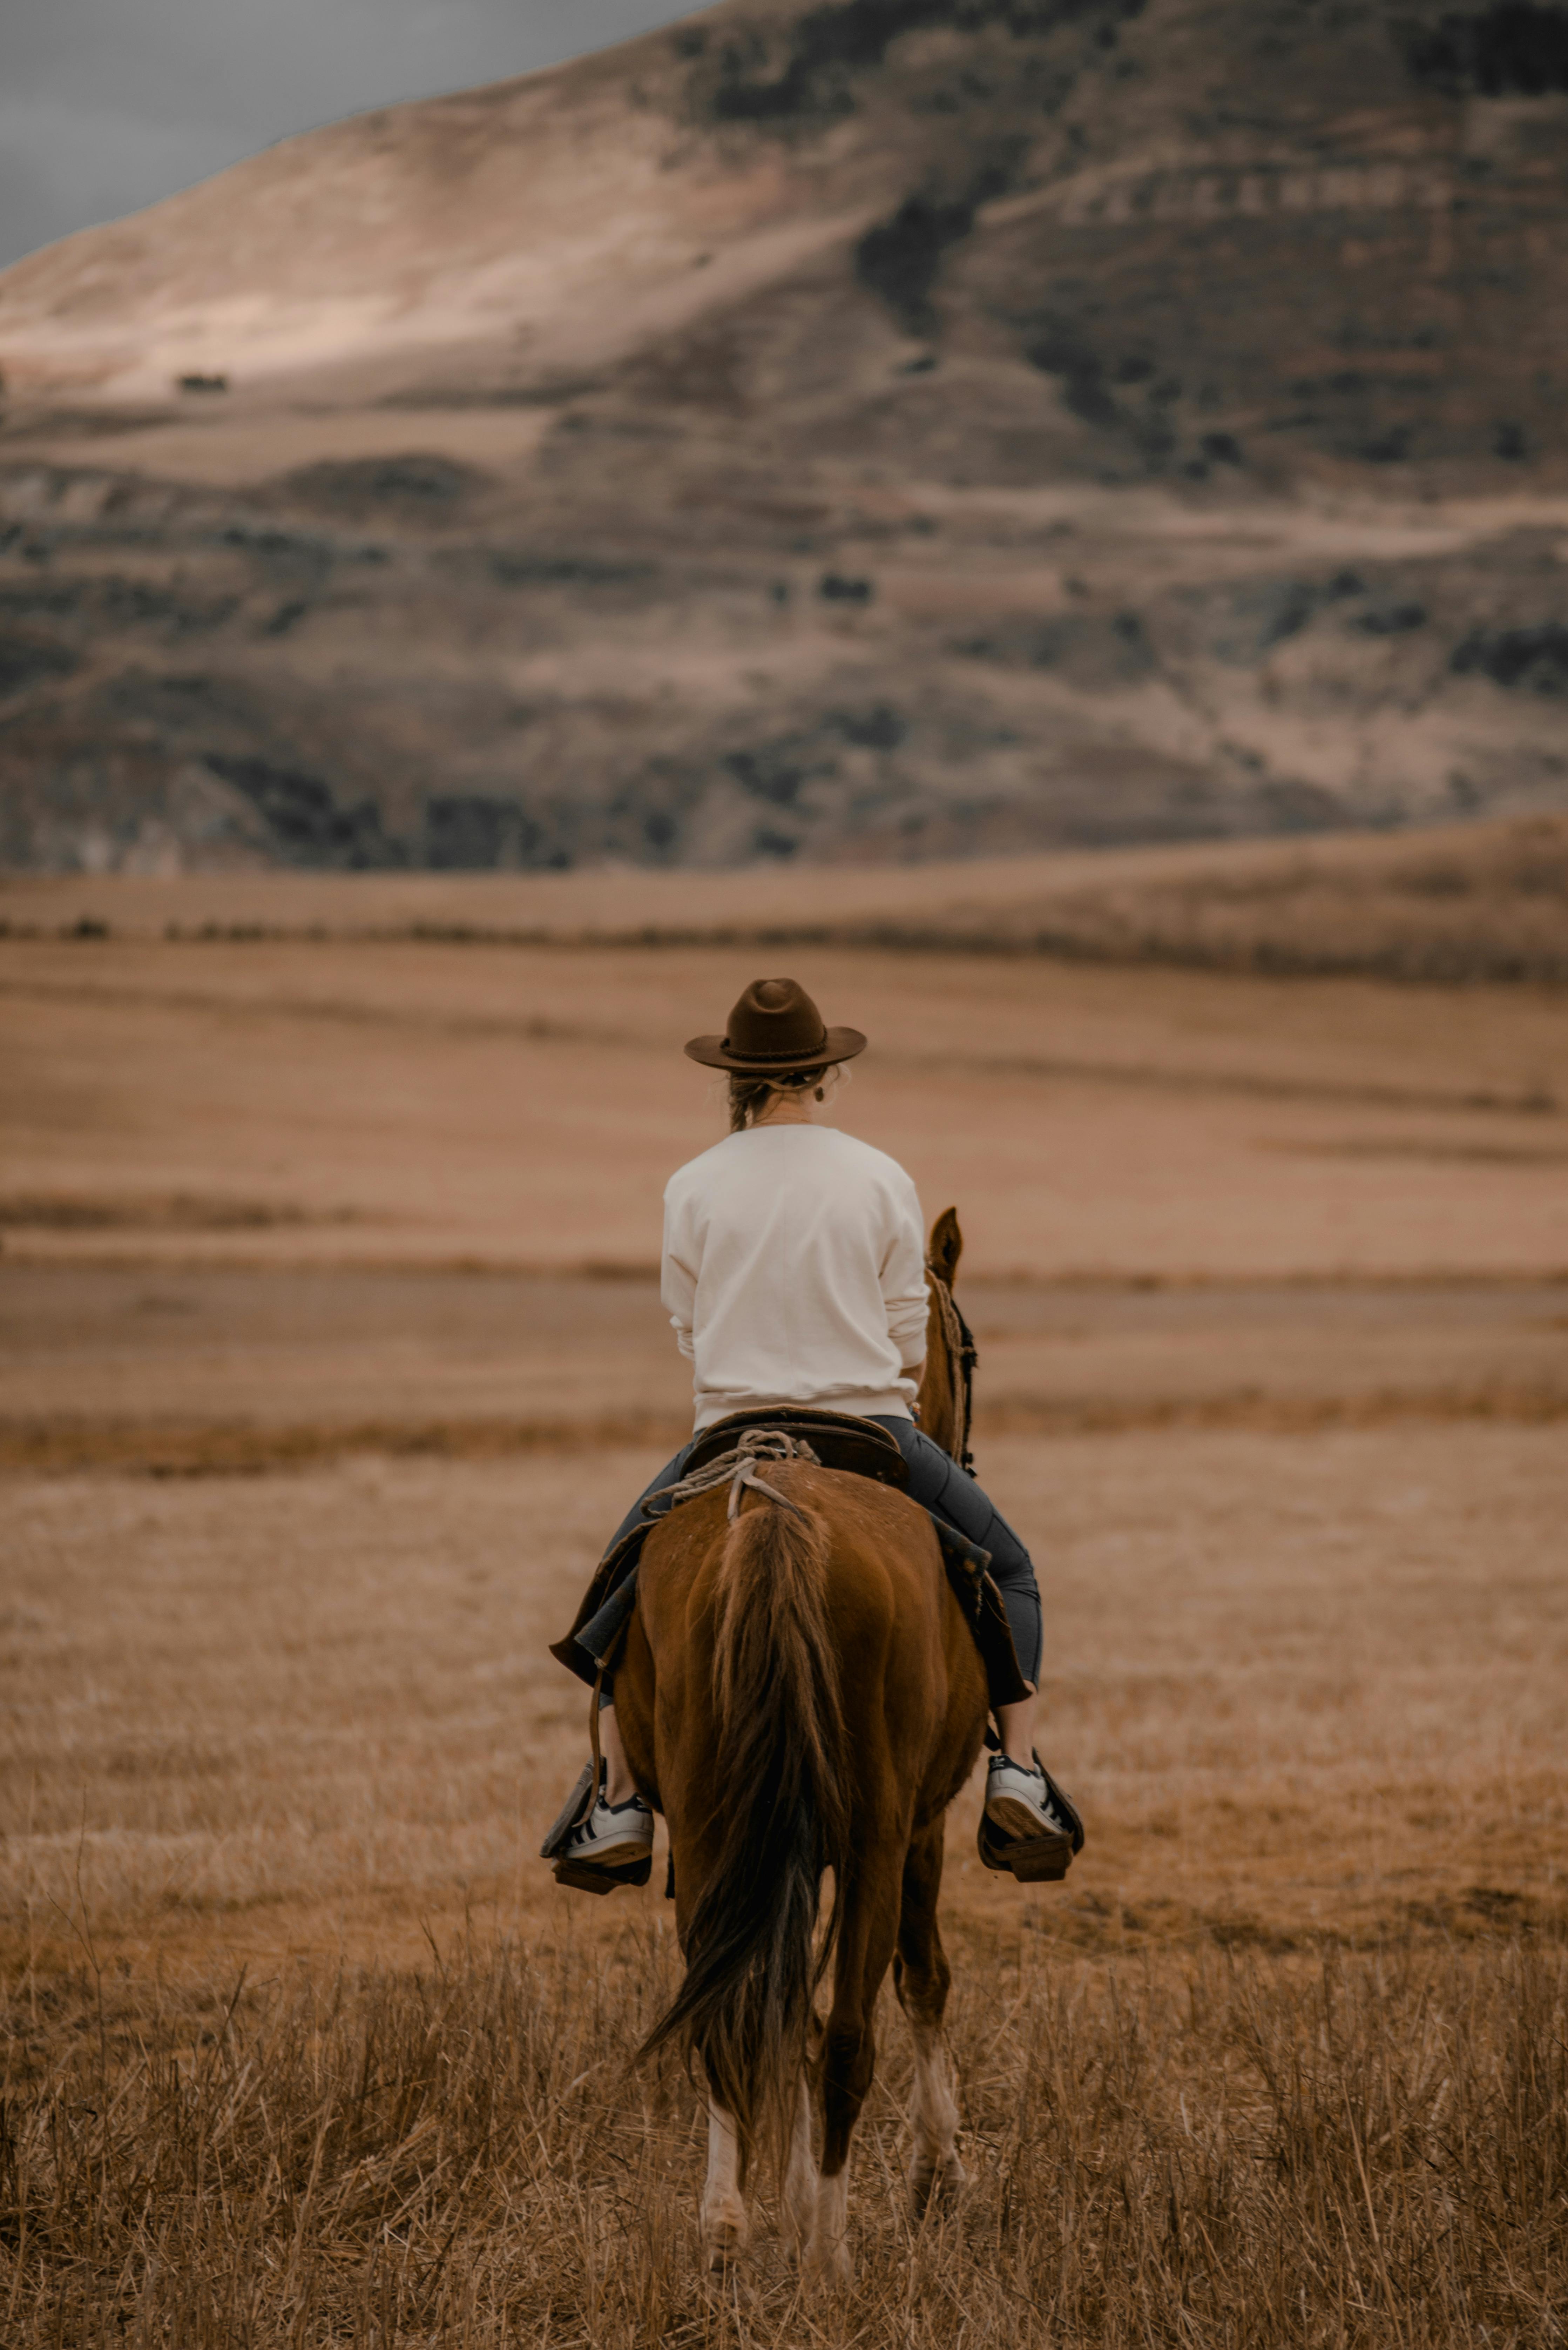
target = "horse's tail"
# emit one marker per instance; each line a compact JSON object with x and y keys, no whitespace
{"x":781,"y":1803}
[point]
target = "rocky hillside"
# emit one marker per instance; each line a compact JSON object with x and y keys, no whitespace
{"x":881,"y":429}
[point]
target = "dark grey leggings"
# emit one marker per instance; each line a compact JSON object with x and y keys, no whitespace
{"x":937,"y":1483}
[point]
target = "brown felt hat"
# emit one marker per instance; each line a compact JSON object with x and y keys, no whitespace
{"x":775,"y":1029}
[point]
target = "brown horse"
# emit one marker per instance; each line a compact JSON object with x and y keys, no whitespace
{"x":800,"y":1693}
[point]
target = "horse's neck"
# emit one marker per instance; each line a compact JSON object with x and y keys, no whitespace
{"x":937,"y":1397}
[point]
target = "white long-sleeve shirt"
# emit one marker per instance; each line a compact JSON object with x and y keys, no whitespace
{"x":794,"y":1272}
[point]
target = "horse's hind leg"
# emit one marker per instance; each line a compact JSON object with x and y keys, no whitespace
{"x":849,"y":2053}
{"x":725,"y":2221}
{"x":920,"y":1977}
{"x":800,"y":2176}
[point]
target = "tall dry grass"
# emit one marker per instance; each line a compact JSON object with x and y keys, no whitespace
{"x":1199,"y":2149}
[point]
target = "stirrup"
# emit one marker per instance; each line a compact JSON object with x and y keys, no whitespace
{"x":588,"y":1875}
{"x":1033,"y":1860}
{"x":594,"y":1877}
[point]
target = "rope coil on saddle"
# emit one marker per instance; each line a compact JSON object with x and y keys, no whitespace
{"x":738,"y":1469}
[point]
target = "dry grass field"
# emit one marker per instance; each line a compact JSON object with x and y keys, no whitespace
{"x":329,"y":1348}
{"x":1308,"y":1687}
{"x":1455,"y":904}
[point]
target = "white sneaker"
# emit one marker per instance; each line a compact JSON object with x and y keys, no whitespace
{"x":1018,"y":1802}
{"x":612,"y":1834}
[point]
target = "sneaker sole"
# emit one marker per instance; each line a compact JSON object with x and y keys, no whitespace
{"x":1016,"y":1818}
{"x":614,"y":1855}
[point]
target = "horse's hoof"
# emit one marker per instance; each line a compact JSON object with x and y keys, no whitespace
{"x":826,"y":2257}
{"x":725,"y":2239}
{"x":935,"y":2182}
{"x":828,"y":2263}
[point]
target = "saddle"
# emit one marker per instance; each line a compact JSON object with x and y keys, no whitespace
{"x":838,"y":1440}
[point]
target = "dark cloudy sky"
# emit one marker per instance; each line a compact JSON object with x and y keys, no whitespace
{"x":105,"y":104}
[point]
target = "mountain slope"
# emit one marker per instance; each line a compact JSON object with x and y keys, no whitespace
{"x":889,"y":428}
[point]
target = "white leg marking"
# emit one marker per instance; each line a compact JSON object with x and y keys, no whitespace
{"x":827,"y":2253}
{"x":800,"y":2177}
{"x":725,"y":2225}
{"x":934,"y":2167}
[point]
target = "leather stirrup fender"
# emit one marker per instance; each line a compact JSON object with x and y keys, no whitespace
{"x":975,"y":1588}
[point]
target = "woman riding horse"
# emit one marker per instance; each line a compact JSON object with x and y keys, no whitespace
{"x":795,"y":1272}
